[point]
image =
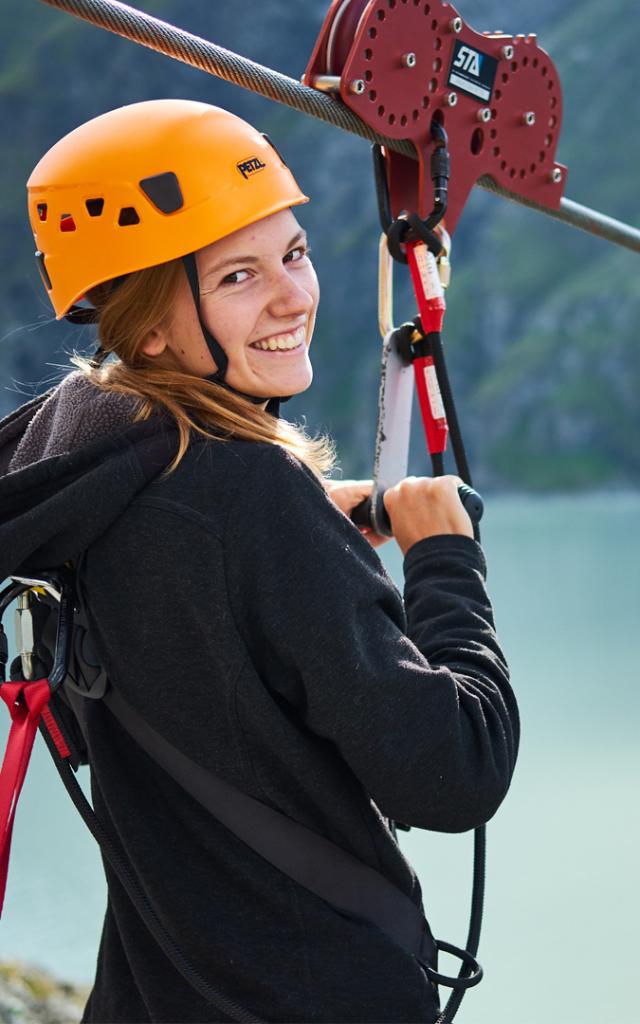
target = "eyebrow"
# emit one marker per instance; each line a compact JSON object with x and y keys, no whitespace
{"x":249,"y":259}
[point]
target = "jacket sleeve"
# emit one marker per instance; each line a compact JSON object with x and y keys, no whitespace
{"x":415,"y":695}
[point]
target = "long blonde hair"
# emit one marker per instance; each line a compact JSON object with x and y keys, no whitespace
{"x":127,"y":313}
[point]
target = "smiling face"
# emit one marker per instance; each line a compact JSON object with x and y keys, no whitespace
{"x":259,"y":295}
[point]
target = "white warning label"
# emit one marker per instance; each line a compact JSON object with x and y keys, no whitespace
{"x":433,"y":390}
{"x":428,"y":272}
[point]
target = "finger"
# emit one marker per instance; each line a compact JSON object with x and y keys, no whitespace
{"x":354,"y":495}
{"x":376,"y":540}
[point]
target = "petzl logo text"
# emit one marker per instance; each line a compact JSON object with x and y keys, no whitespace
{"x":468,"y":60}
{"x":250,"y":166}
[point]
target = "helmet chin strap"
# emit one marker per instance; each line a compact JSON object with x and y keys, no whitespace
{"x":216,"y":350}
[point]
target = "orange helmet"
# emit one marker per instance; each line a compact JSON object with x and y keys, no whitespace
{"x":148,"y":183}
{"x":144,"y":184}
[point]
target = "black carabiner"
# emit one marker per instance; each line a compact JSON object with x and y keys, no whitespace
{"x":403,"y":229}
{"x":382,"y":188}
{"x":440,"y":173}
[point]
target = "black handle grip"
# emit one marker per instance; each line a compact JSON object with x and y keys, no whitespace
{"x":361,"y":514}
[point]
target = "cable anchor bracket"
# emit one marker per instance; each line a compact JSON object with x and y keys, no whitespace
{"x":414,"y":69}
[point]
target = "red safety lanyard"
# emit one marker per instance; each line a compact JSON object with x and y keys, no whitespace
{"x":27,"y":701}
{"x":431,"y":306}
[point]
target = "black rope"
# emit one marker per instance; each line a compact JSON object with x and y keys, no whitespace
{"x":434,"y":341}
{"x":432,"y":344}
{"x":475,"y":921}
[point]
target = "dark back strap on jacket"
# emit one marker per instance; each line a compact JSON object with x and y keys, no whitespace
{"x":314,"y":862}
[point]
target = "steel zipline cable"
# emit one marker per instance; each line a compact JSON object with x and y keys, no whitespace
{"x":215,"y":60}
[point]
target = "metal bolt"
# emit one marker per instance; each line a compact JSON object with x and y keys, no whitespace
{"x":357,"y":86}
{"x":327,"y":83}
{"x":507,"y":52}
{"x":484,"y":115}
{"x":452,"y":99}
{"x":529,"y":118}
{"x":456,"y":25}
{"x":409,"y":60}
{"x":556,"y":175}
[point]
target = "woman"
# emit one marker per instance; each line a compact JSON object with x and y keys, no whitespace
{"x":232,"y":602}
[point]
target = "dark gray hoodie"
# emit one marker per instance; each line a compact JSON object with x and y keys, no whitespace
{"x":248,"y":621}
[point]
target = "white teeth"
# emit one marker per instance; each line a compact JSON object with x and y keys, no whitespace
{"x":282,"y":342}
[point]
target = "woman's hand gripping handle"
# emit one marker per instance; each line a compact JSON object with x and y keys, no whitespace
{"x":420,"y":507}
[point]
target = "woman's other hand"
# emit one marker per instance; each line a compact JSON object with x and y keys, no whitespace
{"x":346,"y":494}
{"x":421,"y":507}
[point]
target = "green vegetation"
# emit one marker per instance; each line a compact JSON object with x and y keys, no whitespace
{"x":29,"y":995}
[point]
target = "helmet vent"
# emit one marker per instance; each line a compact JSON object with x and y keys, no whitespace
{"x":95,"y":207}
{"x":128,"y":215}
{"x":42,"y":211}
{"x":67,"y":223}
{"x":164,"y":191}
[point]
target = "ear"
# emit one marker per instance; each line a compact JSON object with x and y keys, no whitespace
{"x":155,"y":342}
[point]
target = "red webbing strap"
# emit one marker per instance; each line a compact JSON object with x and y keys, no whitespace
{"x":55,"y":733}
{"x":26,"y":702}
{"x":431,"y":306}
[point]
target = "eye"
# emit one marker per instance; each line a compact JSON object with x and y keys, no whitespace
{"x":302,"y":250}
{"x":295,"y":255}
{"x":233,"y":277}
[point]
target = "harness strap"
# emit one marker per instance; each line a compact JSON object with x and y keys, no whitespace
{"x":316,"y":863}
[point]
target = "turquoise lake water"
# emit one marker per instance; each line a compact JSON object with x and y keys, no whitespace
{"x":562,"y":902}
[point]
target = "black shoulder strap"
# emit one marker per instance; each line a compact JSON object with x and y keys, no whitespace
{"x":311,"y":860}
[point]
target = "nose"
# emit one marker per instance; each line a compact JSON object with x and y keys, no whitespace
{"x":291,"y":296}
